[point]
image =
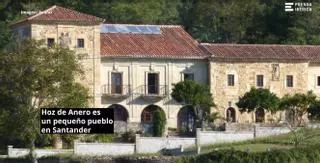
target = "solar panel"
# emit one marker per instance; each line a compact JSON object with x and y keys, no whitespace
{"x":154,"y":29}
{"x":133,"y":29}
{"x":124,"y":28}
{"x":144,"y":29}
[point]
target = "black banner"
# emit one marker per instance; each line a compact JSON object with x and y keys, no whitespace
{"x":76,"y":121}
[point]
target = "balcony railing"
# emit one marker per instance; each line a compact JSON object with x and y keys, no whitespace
{"x":153,"y":92}
{"x":116,"y":91}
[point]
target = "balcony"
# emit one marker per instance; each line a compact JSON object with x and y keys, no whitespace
{"x":153,"y":92}
{"x":115,"y":92}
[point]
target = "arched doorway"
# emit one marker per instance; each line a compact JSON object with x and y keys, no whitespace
{"x":290,"y":116}
{"x":260,"y":115}
{"x":147,"y":117}
{"x":120,"y":116}
{"x":231,"y":115}
{"x":186,"y":120}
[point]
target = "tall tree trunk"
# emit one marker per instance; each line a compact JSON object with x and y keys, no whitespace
{"x":57,"y":142}
{"x":33,"y":156}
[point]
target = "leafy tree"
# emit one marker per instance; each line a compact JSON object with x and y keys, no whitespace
{"x":314,"y":111}
{"x":33,"y":77}
{"x":258,"y":98}
{"x":196,"y":95}
{"x":159,"y":123}
{"x":298,"y":104}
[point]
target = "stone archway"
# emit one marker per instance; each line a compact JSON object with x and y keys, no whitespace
{"x":147,"y":117}
{"x":259,"y":115}
{"x":290,"y":116}
{"x":120,"y":115}
{"x":186,"y":120}
{"x":231,"y":115}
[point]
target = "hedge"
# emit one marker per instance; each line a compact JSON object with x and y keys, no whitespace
{"x":296,"y":155}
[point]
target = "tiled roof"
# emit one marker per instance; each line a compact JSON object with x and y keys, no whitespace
{"x":173,"y":42}
{"x":56,"y":13}
{"x":261,"y":51}
{"x":310,"y":51}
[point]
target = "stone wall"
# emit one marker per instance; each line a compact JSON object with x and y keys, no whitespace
{"x":313,"y":73}
{"x":91,"y":51}
{"x":103,"y":148}
{"x":20,"y":152}
{"x":214,"y":137}
{"x":245,"y":77}
{"x":134,"y":73}
{"x":156,"y":144}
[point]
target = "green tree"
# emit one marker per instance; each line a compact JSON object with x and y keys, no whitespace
{"x":314,"y":111}
{"x":298,"y":104}
{"x":33,"y":77}
{"x":159,"y":123}
{"x":258,"y":98}
{"x":196,"y":95}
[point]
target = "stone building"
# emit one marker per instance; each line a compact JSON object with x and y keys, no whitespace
{"x":131,"y":68}
{"x":284,"y":69}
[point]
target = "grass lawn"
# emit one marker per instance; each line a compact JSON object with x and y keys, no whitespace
{"x":258,"y":147}
{"x":284,"y":141}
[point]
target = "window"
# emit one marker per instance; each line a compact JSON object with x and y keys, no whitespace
{"x":80,"y":43}
{"x":318,"y":81}
{"x":230,"y":80}
{"x":147,"y":116}
{"x":116,"y":83}
{"x":289,"y":81}
{"x":50,"y":42}
{"x":259,"y":80}
{"x":153,"y":83}
{"x":188,"y":76}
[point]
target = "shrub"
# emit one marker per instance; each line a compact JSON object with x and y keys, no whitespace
{"x":129,"y":136}
{"x":295,"y":155}
{"x":159,"y":123}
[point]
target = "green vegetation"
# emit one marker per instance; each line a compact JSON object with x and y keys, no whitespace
{"x":196,"y":95}
{"x":35,"y":77}
{"x":298,"y":104}
{"x":275,"y":149}
{"x":314,"y":111}
{"x":258,"y":98}
{"x":245,"y":21}
{"x":295,"y":155}
{"x":159,"y":123}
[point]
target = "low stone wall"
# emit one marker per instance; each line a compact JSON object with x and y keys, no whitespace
{"x":313,"y":125}
{"x":270,"y":131}
{"x":214,"y":137}
{"x":20,"y":152}
{"x":259,"y":130}
{"x":156,"y":144}
{"x":104,"y":148}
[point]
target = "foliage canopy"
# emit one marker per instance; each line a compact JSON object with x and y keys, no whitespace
{"x":258,"y":98}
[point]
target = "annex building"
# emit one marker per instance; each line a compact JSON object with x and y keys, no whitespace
{"x":131,"y":68}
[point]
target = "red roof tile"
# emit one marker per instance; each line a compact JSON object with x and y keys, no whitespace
{"x":173,"y":42}
{"x":56,"y":13}
{"x":310,"y":51}
{"x":259,"y":51}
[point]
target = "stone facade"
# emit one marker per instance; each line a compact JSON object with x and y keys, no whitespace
{"x":90,"y":51}
{"x":245,"y":77}
{"x":134,"y":73}
{"x":99,"y":67}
